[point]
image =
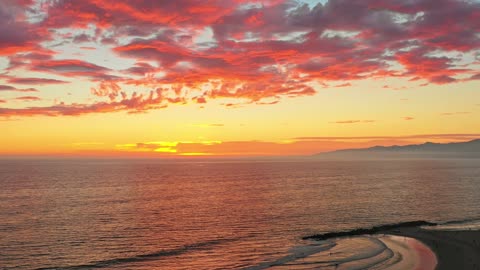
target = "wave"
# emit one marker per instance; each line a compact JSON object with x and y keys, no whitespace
{"x":298,"y":253}
{"x":371,"y":230}
{"x":362,"y":252}
{"x":146,"y":257}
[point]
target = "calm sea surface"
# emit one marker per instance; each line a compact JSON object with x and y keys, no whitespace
{"x":146,"y":214}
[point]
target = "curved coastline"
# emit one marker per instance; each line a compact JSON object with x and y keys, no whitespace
{"x":454,"y":249}
{"x":360,"y":252}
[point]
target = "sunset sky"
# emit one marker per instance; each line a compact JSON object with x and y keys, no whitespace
{"x":235,"y":77}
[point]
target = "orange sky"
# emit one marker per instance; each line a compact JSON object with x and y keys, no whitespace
{"x":235,"y":78}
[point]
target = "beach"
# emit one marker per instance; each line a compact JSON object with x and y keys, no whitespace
{"x":455,"y":249}
{"x":411,"y":245}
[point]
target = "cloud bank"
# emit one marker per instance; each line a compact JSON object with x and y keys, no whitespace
{"x":246,"y":51}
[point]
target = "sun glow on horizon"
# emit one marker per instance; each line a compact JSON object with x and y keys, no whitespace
{"x":235,"y":78}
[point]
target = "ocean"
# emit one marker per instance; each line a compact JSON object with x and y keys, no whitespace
{"x":214,"y":214}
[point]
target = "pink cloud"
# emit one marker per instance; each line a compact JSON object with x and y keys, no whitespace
{"x":34,"y":81}
{"x":14,"y":89}
{"x":343,"y":85}
{"x":106,"y":89}
{"x":70,"y":68}
{"x":88,"y":48}
{"x":201,"y":100}
{"x":475,"y":77}
{"x":18,"y":35}
{"x":28,"y":98}
{"x":253,"y":53}
{"x":140,"y":69}
{"x":136,"y":103}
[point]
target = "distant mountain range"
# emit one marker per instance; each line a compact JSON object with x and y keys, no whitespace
{"x":470,"y":149}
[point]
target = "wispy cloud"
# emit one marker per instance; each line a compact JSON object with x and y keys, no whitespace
{"x":35,"y":81}
{"x":343,"y":85}
{"x":6,"y":88}
{"x":28,"y":98}
{"x":455,"y":113}
{"x":353,"y":121}
{"x":207,"y":125}
{"x":450,"y":136}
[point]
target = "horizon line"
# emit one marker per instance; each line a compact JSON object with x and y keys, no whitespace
{"x":119,"y":154}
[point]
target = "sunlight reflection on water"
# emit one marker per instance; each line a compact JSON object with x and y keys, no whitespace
{"x":147,"y":214}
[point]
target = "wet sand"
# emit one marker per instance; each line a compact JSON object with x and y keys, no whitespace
{"x":454,"y":249}
{"x":456,"y":245}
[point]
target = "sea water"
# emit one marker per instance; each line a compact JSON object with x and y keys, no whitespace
{"x":214,"y":214}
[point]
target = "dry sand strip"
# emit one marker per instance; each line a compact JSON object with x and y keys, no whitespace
{"x":454,"y":249}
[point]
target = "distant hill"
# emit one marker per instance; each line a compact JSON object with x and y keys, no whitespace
{"x":470,"y":149}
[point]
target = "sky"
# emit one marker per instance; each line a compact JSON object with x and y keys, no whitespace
{"x":235,"y":77}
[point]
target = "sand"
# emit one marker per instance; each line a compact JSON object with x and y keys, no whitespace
{"x":454,"y":249}
{"x":456,"y":244}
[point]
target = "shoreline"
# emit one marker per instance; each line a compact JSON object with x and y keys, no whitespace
{"x":455,"y":249}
